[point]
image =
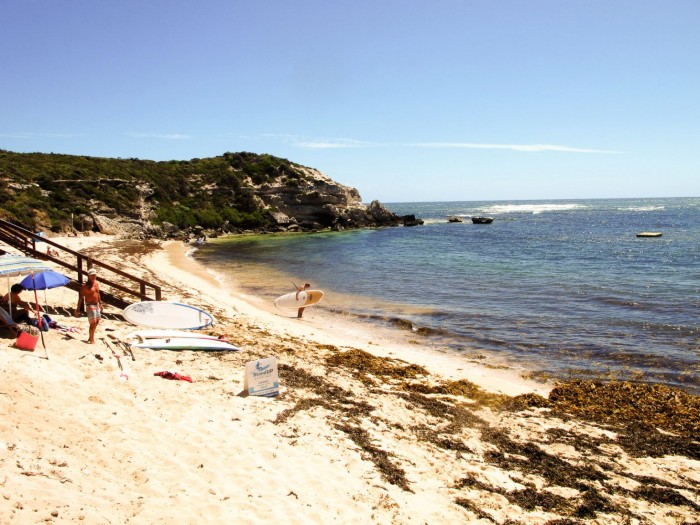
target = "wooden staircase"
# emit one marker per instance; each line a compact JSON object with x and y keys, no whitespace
{"x":120,"y":294}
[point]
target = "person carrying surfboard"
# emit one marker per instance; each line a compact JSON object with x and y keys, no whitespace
{"x":300,"y":289}
{"x":90,"y":297}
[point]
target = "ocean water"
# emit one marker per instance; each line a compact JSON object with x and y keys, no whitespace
{"x":560,"y":287}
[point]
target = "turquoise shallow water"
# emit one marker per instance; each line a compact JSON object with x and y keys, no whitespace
{"x":559,"y":285}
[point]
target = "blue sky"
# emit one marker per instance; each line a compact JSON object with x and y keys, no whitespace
{"x":404,"y":100}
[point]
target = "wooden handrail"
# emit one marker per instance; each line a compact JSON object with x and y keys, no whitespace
{"x":25,"y":241}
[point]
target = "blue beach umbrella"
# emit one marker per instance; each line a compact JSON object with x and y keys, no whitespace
{"x":44,"y":280}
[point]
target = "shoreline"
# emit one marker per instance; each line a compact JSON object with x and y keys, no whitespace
{"x":531,"y":306}
{"x":328,"y":328}
{"x":360,"y":433}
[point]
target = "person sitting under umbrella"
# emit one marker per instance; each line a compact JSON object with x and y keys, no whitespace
{"x":20,"y":309}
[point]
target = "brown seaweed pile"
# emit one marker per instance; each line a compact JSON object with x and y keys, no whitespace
{"x":460,"y":388}
{"x":628,"y":403}
{"x":363,"y":365}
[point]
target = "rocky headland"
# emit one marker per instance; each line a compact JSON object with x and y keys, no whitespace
{"x":233,"y":193}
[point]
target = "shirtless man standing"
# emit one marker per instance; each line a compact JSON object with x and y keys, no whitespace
{"x":90,"y":295}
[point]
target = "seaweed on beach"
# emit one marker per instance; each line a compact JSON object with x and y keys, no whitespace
{"x":330,"y":396}
{"x":361,"y":364}
{"x":663,"y":495}
{"x":592,"y":502}
{"x":584,"y":443}
{"x":529,"y":499}
{"x":390,"y":472}
{"x":670,"y":409}
{"x":644,"y":440}
{"x":439,"y":439}
{"x":529,"y":457}
{"x":587,"y":505}
{"x":649,"y":480}
{"x":646,"y":420}
{"x":525,"y":401}
{"x":334,"y":398}
{"x":303,"y":405}
{"x":454,"y":417}
{"x":461,"y":388}
{"x":469,"y":481}
{"x":457,"y":417}
{"x":472,"y":507}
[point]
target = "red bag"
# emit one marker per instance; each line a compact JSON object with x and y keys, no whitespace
{"x":26,"y":341}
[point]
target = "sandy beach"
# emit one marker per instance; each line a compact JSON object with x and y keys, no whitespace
{"x":368,"y":428}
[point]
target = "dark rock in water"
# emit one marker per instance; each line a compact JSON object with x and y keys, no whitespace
{"x":381,"y":215}
{"x":410,"y":220}
{"x":482,"y":220}
{"x":454,"y":218}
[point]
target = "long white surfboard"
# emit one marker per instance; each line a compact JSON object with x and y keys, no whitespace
{"x":305,"y":298}
{"x":185,"y":343}
{"x":161,"y":314}
{"x":143,"y":335}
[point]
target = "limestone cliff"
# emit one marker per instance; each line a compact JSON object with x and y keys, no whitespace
{"x":317,"y":202}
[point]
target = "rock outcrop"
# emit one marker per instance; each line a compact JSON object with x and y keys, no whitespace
{"x":315,"y":202}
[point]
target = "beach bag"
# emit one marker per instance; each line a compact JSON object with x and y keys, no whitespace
{"x":27,"y":338}
{"x":40,"y":323}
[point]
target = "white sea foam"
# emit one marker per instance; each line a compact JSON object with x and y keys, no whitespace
{"x":436,"y":220}
{"x":643,"y":208}
{"x":530,"y":208}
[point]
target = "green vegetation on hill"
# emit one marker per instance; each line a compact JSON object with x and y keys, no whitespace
{"x":38,"y":189}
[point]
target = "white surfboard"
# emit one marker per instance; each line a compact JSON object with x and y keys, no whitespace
{"x":161,"y":314}
{"x":185,"y":343}
{"x":305,"y":298}
{"x":143,"y":335}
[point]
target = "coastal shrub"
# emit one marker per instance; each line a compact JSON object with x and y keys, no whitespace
{"x":205,"y":191}
{"x":180,"y":216}
{"x":208,"y":218}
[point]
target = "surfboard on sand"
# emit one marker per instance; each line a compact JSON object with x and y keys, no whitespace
{"x":143,"y":335}
{"x":167,"y":315}
{"x":305,"y":298}
{"x":185,"y":343}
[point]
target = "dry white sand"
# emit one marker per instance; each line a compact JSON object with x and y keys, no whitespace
{"x":342,"y":443}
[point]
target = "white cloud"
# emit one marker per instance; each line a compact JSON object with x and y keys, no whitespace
{"x":333,"y":143}
{"x":336,"y":143}
{"x":512,"y":147}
